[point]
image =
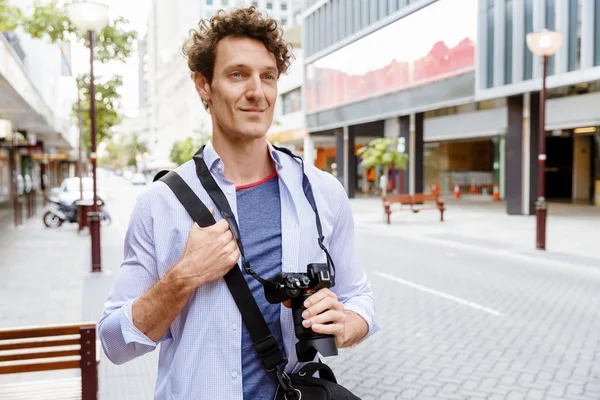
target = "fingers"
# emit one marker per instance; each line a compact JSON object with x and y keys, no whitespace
{"x":336,"y":330}
{"x":324,"y":301}
{"x":328,"y":317}
{"x":317,"y":297}
{"x":221,"y":226}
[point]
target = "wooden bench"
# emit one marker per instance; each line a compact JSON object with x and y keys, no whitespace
{"x":50,"y":348}
{"x":416,"y":202}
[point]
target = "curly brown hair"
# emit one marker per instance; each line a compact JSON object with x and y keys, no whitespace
{"x":200,"y":48}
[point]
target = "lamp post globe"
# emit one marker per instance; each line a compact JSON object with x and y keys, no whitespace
{"x":91,"y":17}
{"x":88,"y":15}
{"x":544,"y":44}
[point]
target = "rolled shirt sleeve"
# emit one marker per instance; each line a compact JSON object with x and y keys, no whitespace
{"x":351,"y":283}
{"x":121,"y":340}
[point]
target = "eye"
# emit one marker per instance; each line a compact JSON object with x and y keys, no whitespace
{"x":236,"y":74}
{"x":269,"y":77}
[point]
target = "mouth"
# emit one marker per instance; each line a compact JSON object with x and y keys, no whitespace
{"x":252,"y":110}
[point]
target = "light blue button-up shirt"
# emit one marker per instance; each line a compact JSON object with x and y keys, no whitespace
{"x":200,"y":357}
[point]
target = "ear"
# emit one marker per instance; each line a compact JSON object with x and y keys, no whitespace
{"x":202,"y":86}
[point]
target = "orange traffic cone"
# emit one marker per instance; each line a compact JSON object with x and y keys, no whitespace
{"x":496,"y":192}
{"x":457,"y":191}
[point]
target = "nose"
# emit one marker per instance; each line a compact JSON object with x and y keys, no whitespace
{"x":254,"y":91}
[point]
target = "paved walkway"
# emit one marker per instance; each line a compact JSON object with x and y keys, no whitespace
{"x":572,"y":230}
{"x":46,"y":280}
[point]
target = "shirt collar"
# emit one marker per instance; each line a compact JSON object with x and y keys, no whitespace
{"x":212,"y":159}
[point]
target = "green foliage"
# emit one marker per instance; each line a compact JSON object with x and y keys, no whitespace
{"x":135,"y":147}
{"x":114,"y":157}
{"x":10,"y":17}
{"x":184,"y":150}
{"x":382,"y":152}
{"x":50,"y":20}
{"x":107,"y":107}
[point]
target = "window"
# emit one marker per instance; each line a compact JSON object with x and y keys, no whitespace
{"x":209,"y":2}
{"x":550,"y":25}
{"x":283,"y":6}
{"x":508,"y":38}
{"x":528,"y":64}
{"x":490,"y":44}
{"x":292,"y":101}
{"x":224,"y":2}
{"x":284,"y":21}
{"x":269,"y":5}
{"x":574,"y":34}
{"x":255,"y":3}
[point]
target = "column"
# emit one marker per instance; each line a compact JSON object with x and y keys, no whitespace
{"x":339,"y":155}
{"x":416,"y":154}
{"x":309,"y":150}
{"x":522,"y":148}
{"x":351,"y":174}
{"x":404,"y":132}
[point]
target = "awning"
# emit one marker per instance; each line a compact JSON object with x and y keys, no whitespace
{"x":22,"y":104}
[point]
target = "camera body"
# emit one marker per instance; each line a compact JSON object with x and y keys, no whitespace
{"x":298,"y":287}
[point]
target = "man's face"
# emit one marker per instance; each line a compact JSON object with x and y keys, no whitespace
{"x":243,"y":91}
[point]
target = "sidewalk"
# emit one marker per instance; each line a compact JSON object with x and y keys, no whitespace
{"x":572,"y":230}
{"x":46,"y":280}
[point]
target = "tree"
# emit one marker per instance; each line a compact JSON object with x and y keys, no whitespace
{"x":134,"y":148}
{"x":114,"y":157}
{"x":107,"y":107}
{"x":382,"y":152}
{"x":10,"y":17}
{"x":50,"y":20}
{"x":184,"y":150}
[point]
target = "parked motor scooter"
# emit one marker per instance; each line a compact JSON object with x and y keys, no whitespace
{"x":60,"y":212}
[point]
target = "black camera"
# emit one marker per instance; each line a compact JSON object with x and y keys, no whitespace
{"x":298,"y":287}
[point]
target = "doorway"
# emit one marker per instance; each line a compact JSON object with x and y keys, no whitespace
{"x":559,"y":167}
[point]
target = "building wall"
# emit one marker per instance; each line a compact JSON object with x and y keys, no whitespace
{"x":505,"y":66}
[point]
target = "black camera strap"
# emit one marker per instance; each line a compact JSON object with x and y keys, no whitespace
{"x":217,"y":196}
{"x":265,"y":344}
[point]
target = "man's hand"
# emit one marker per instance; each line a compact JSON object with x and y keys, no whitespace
{"x":324,"y":314}
{"x":208,"y":255}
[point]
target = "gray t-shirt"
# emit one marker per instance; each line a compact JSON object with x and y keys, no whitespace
{"x":259,"y":218}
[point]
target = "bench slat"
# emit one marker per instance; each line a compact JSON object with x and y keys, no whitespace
{"x":36,"y":367}
{"x":38,"y":355}
{"x":42,"y":331}
{"x":37,"y":344}
{"x":63,"y":389}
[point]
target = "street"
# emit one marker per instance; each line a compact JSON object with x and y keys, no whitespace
{"x":456,"y":323}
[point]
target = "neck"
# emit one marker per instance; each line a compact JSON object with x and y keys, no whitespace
{"x":245,"y":162}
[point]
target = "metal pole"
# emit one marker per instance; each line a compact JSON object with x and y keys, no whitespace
{"x":94,"y":216}
{"x":541,"y":206}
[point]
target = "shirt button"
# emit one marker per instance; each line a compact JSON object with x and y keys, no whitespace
{"x":234,"y":374}
{"x":234,"y":327}
{"x":230,"y":190}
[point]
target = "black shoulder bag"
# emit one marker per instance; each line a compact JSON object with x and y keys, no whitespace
{"x":301,"y":385}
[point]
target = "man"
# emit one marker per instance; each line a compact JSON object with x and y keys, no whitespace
{"x":170,"y":288}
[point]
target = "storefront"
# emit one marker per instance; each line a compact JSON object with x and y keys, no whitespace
{"x":470,"y":166}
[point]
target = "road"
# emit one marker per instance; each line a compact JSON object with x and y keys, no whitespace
{"x":461,"y":324}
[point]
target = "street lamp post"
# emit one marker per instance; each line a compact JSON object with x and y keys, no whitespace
{"x":544,"y":44}
{"x":91,"y":17}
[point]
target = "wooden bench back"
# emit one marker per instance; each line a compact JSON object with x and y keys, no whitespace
{"x":423,"y":197}
{"x":397,"y":198}
{"x":48,"y":348}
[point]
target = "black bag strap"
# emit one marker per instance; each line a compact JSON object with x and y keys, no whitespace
{"x":264,"y":342}
{"x":324,"y":371}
